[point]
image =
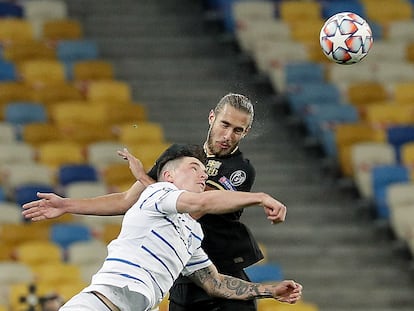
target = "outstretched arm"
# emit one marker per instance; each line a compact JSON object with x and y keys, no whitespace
{"x":51,"y":205}
{"x":224,"y":286}
{"x":225,"y":201}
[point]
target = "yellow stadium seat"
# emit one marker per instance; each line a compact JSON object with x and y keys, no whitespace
{"x":35,"y":253}
{"x":78,"y":112}
{"x":55,"y":273}
{"x":51,"y":93}
{"x":16,"y":234}
{"x":148,"y":153}
{"x":62,"y":29}
{"x":404,"y":92}
{"x":88,"y":70}
{"x":110,"y":232}
{"x":363,"y":93}
{"x":38,"y":72}
{"x":306,"y":31}
{"x":407,"y":154}
{"x":56,"y":153}
{"x":118,"y":113}
{"x":384,"y":12}
{"x":294,"y":10}
{"x":141,"y":132}
{"x":346,"y":134}
{"x":21,"y":51}
{"x":15,"y":29}
{"x":84,"y":134}
{"x":409,"y":52}
{"x":269,"y":304}
{"x":13,"y":91}
{"x":388,"y":114}
{"x":117,"y":174}
{"x":36,"y":134}
{"x":109,"y":90}
{"x":69,"y":289}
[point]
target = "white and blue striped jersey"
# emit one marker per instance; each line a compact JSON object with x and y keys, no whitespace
{"x":155,"y":245}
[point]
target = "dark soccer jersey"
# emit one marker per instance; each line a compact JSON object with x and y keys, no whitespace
{"x":227,"y":241}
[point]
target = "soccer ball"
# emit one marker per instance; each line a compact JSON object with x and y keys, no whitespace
{"x":346,"y":38}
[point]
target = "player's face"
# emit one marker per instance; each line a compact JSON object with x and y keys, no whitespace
{"x":227,"y":128}
{"x":190,"y":175}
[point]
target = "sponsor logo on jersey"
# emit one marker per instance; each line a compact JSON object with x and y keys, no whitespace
{"x":226,"y":183}
{"x":237,"y":178}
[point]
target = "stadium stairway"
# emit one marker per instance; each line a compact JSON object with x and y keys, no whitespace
{"x":179,"y":66}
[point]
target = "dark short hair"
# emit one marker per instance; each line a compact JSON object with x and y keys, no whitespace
{"x":176,"y":151}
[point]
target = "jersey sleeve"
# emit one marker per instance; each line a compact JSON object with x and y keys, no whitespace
{"x":199,"y":260}
{"x":162,"y":197}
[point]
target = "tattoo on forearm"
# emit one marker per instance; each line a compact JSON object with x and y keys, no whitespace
{"x":226,"y":286}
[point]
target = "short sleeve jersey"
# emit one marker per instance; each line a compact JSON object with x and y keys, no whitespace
{"x":154,"y":246}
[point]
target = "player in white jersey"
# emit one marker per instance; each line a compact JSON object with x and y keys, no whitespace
{"x":159,"y":240}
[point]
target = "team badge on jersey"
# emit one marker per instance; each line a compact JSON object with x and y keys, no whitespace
{"x":237,"y":178}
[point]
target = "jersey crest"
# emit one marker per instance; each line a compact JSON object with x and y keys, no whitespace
{"x":237,"y":177}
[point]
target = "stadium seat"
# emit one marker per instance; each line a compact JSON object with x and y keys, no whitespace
{"x":10,"y":9}
{"x":19,"y":293}
{"x":16,"y":152}
{"x":85,"y":189}
{"x":384,"y":12}
{"x":68,"y":113}
{"x":10,"y":213}
{"x":109,"y":90}
{"x":330,"y":8}
{"x":110,"y":232}
{"x":382,"y":176}
{"x":57,"y":153}
{"x":249,"y":32}
{"x":25,"y":193}
{"x":87,"y":70}
{"x":102,"y":153}
{"x":64,"y":234}
{"x":401,"y":30}
{"x":83,"y":253}
{"x":7,"y":133}
{"x":346,"y":134}
{"x":118,"y":113}
{"x":69,"y":173}
{"x":306,"y":30}
{"x":363,"y":93}
{"x":265,"y":272}
{"x":12,"y":272}
{"x":33,"y":253}
{"x":38,"y":72}
{"x":393,"y":71}
{"x":8,"y":71}
{"x":17,"y":234}
{"x":36,"y":134}
{"x":270,"y":55}
{"x":15,"y":29}
{"x":274,"y":305}
{"x":291,"y":11}
{"x":70,"y":288}
{"x":117,"y":174}
{"x":84,"y":134}
{"x":386,"y":115}
{"x":366,"y":155}
{"x":399,"y":135}
{"x":148,"y":152}
{"x":12,"y":91}
{"x":407,"y":154}
{"x":55,"y":273}
{"x":20,"y":51}
{"x":141,"y":132}
{"x":18,"y":174}
{"x":62,"y":29}
{"x":303,"y":72}
{"x":403,"y":92}
{"x":400,"y":200}
{"x":22,"y":113}
{"x":76,"y":50}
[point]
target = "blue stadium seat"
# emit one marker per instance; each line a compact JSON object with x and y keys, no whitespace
{"x":21,"y":113}
{"x":64,"y":234}
{"x":76,"y":50}
{"x":9,"y":9}
{"x":266,"y":272}
{"x":8,"y":71}
{"x":330,"y":8}
{"x":382,"y":176}
{"x":398,"y":135}
{"x":26,"y":193}
{"x":76,"y":172}
{"x":303,"y":72}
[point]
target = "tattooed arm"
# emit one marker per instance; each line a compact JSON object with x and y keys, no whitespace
{"x":224,"y":286}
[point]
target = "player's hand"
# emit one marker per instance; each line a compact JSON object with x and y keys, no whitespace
{"x":49,"y":206}
{"x":135,"y":165}
{"x":288,"y":291}
{"x":275,"y":210}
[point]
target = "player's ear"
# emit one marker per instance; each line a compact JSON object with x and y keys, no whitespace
{"x":211,"y":117}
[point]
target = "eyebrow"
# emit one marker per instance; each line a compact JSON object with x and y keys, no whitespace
{"x":198,"y":164}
